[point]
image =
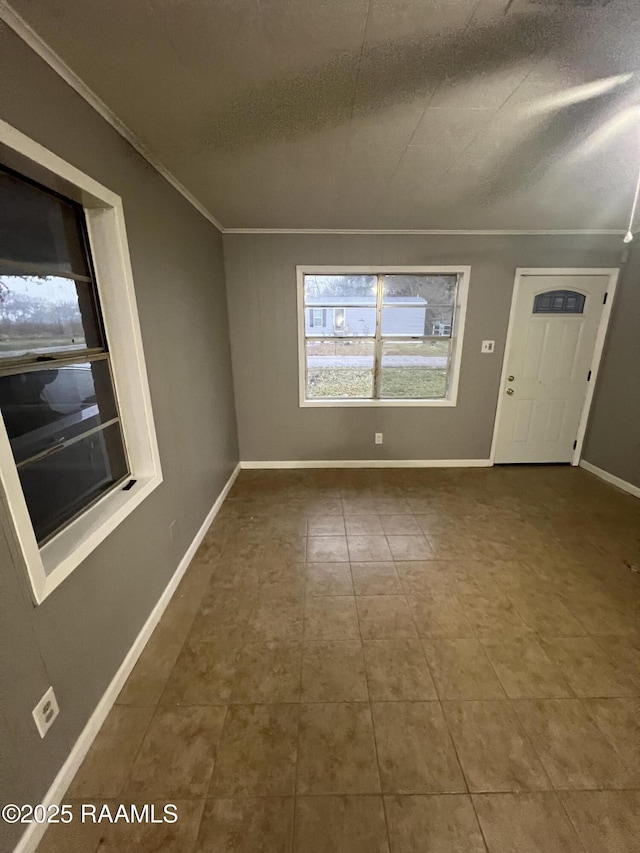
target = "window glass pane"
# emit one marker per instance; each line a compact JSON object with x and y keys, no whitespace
{"x":432,"y":289}
{"x":47,"y":313}
{"x":343,"y":322}
{"x":418,"y":304}
{"x":37,"y":227}
{"x":58,"y":486}
{"x":339,"y":369}
{"x":42,"y":408}
{"x":414,"y":370}
{"x":345,"y":288}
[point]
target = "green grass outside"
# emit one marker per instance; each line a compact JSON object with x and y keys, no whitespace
{"x":352,"y":346}
{"x":396,"y":383}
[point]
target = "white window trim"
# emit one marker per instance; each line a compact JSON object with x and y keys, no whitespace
{"x":457,"y":333}
{"x":49,"y":565}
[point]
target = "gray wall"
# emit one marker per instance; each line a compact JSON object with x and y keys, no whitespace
{"x":613,"y":437}
{"x":79,"y":636}
{"x":261,"y":287}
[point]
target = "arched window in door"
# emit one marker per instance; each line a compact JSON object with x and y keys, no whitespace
{"x":559,"y":302}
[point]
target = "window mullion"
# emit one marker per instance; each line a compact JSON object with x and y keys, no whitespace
{"x":377,"y":348}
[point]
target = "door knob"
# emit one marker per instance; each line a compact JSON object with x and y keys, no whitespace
{"x":509,"y":391}
{"x":510,"y":378}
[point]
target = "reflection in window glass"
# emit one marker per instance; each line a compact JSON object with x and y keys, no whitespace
{"x":60,"y":485}
{"x":41,"y":408}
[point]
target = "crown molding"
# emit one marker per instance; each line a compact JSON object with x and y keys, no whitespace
{"x":433,"y":231}
{"x":22,"y":29}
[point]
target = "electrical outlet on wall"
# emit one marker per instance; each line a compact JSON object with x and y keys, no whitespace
{"x":45,"y":712}
{"x":378,"y":438}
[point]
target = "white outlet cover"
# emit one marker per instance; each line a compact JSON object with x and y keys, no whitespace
{"x":46,"y":712}
{"x":488,"y":346}
{"x":378,"y":437}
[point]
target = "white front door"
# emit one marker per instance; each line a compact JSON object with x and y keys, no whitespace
{"x":554,"y":327}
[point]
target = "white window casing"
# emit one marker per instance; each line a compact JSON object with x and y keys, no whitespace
{"x":457,"y":334}
{"x":49,"y":564}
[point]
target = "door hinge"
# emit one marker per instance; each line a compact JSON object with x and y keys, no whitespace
{"x":575,"y":444}
{"x":589,"y":376}
{"x":604,"y":301}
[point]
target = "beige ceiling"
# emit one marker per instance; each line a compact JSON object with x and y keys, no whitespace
{"x":372,"y":114}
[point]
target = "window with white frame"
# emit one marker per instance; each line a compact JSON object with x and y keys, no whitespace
{"x":78,"y":450}
{"x":396,"y":336}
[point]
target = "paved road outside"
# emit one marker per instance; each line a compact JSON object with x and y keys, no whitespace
{"x":387,"y":361}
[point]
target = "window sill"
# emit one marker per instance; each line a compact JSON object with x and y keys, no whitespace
{"x":375,"y":404}
{"x":62,"y":554}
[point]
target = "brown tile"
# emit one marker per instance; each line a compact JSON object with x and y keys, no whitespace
{"x":571,"y":747}
{"x":433,"y":824}
{"x":233,"y":573}
{"x":149,"y":676}
{"x":358,"y":506}
{"x":602,"y":615}
{"x":427,"y":577}
{"x":409,"y":547}
{"x":267,"y":672}
{"x":375,"y":579}
{"x":336,"y":750}
{"x":397,"y":669}
{"x":288,"y":574}
{"x":327,"y":549}
{"x":331,"y":618}
{"x":363,"y":525}
{"x":333,"y":671}
{"x":415,"y":751}
{"x":461,"y":670}
{"x":391,"y":506}
{"x":76,"y":836}
{"x":347,"y":824}
{"x":177,"y":753}
{"x":546,"y":614}
{"x":439,"y":614}
{"x":619,"y":721}
{"x":277,"y":618}
{"x":606,"y":821}
{"x":400,"y":525}
{"x":329,"y":579}
{"x":246,"y":825}
{"x":524,"y":669}
{"x":367,"y":549}
{"x":203,"y":675}
{"x":325,"y":525}
{"x":171,"y":836}
{"x":588,"y":669}
{"x":385,"y":617}
{"x":223,"y":616}
{"x":257,"y":752}
{"x":526,"y":823}
{"x":493,"y":748}
{"x":106,"y":765}
{"x":492,"y":617}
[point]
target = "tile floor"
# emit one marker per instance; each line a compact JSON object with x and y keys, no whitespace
{"x":435,"y":661}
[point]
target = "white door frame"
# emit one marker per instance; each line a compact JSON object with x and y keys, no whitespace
{"x":613,"y":274}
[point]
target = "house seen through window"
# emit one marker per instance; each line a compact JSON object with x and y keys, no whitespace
{"x":57,"y":398}
{"x":378,"y":336}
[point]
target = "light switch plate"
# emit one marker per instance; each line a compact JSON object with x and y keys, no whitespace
{"x":488,"y":346}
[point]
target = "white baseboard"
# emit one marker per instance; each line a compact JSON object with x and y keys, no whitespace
{"x":33,"y":835}
{"x":372,"y":463}
{"x":611,"y":478}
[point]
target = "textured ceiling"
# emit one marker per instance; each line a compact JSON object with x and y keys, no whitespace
{"x":372,"y":114}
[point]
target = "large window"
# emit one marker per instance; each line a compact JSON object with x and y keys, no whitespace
{"x":391,"y":336}
{"x":56,"y":392}
{"x":78,"y":450}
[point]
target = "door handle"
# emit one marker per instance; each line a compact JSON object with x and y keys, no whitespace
{"x":509,"y":391}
